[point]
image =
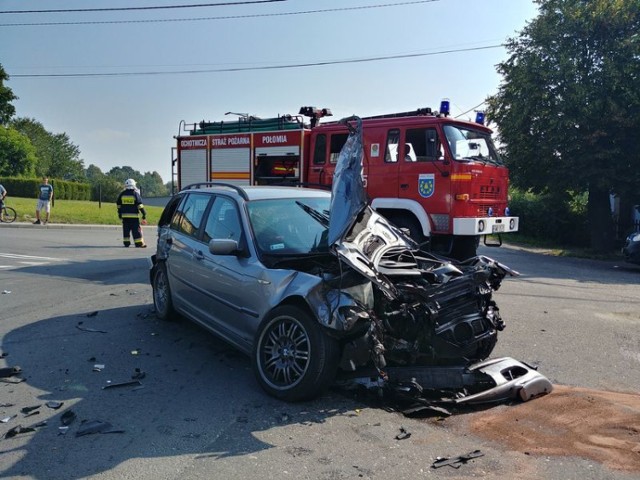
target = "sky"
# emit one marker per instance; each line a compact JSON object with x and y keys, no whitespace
{"x":120,"y":82}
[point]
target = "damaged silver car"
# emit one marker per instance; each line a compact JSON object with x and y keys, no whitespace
{"x":311,"y":283}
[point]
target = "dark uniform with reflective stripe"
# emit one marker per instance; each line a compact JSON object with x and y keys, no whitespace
{"x":129,"y":206}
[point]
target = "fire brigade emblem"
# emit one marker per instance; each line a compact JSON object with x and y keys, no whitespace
{"x":426,"y":184}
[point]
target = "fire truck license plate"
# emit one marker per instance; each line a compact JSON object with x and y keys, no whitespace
{"x":499,"y":227}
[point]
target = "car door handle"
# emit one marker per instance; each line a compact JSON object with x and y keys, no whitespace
{"x":198,"y":255}
{"x":404,"y":186}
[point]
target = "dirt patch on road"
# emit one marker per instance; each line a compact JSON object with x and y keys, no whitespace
{"x":602,"y":426}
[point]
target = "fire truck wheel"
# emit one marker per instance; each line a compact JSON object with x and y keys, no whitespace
{"x":465,"y":247}
{"x":412,"y":225}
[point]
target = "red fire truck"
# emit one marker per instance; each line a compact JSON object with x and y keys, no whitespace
{"x":438,"y":177}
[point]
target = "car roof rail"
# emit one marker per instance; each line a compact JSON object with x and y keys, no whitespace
{"x":238,"y":189}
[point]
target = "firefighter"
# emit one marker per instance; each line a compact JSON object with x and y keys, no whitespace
{"x":129,"y":206}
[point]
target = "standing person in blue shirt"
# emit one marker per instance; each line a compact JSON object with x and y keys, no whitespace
{"x":45,"y":196}
{"x":129,"y":205}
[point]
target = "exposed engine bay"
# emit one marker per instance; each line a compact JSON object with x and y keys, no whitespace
{"x":417,"y":309}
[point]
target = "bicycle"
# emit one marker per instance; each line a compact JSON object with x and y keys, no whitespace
{"x":7,"y":214}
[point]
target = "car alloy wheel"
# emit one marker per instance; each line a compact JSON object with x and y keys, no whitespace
{"x":162,"y":293}
{"x":293,"y":358}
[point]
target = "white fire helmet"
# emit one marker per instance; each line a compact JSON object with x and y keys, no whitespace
{"x":130,"y":184}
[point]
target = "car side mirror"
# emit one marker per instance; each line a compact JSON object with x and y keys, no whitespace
{"x":224,"y":246}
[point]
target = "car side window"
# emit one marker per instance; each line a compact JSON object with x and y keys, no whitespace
{"x":223,"y":221}
{"x":169,"y":211}
{"x":190,"y":212}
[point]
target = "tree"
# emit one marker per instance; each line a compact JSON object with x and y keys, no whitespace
{"x":17,"y":155}
{"x":151,"y":185}
{"x":65,"y":161}
{"x":6,"y":97}
{"x":94,"y":173}
{"x":57,"y":156}
{"x":568,"y":107}
{"x":121,"y":174}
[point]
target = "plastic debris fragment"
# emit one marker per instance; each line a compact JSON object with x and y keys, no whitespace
{"x":122,"y":384}
{"x":456,"y":462}
{"x":85,"y":329}
{"x":29,"y":409}
{"x":95,"y":426}
{"x":403,"y":435}
{"x":53,"y":404}
{"x":10,"y":371}
{"x":68,"y":417}
{"x":17,"y":430}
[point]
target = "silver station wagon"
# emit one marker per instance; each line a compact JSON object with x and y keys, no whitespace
{"x":310,"y":282}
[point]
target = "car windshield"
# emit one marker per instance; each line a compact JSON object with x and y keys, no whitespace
{"x":290,"y":226}
{"x":468,"y":144}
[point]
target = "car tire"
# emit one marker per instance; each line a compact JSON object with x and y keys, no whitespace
{"x":162,"y":294}
{"x":293,"y":358}
{"x":465,"y":247}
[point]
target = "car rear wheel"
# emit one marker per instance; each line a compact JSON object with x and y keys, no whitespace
{"x":293,"y":358}
{"x":162,"y":294}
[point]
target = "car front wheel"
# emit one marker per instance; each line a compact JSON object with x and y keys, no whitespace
{"x":293,"y":358}
{"x":162,"y":294}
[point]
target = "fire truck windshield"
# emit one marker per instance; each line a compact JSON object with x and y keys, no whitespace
{"x":471,"y":145}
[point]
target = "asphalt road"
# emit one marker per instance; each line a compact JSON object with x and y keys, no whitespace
{"x":76,"y":299}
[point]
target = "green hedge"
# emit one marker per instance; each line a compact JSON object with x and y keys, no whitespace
{"x":62,"y":190}
{"x":557,"y":219}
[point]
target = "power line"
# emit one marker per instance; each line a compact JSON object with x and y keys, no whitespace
{"x":245,"y":69}
{"x":228,"y":17}
{"x":161,"y":7}
{"x":471,"y":109}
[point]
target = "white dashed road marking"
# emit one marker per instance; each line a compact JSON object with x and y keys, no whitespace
{"x":14,"y":260}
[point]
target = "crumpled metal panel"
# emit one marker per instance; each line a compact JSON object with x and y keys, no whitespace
{"x":348,"y":197}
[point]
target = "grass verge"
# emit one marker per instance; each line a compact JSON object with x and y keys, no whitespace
{"x":76,"y":212}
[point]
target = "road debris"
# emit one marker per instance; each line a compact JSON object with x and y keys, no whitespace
{"x":27,"y":410}
{"x":6,"y":292}
{"x":10,"y":371}
{"x":138,"y":374}
{"x":54,"y":404}
{"x":92,"y":314}
{"x":89,"y":427}
{"x":98,"y":367}
{"x":403,"y":435}
{"x":122,"y":384}
{"x":436,"y":390}
{"x":68,"y":417}
{"x":8,"y":419}
{"x":456,"y":462}
{"x":18,"y":429}
{"x":85,"y":329}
